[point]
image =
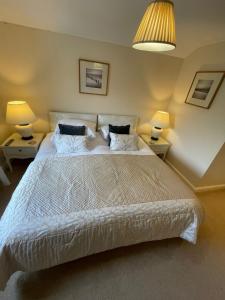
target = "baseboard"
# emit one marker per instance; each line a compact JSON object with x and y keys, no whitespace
{"x":210,"y":188}
{"x":196,"y":189}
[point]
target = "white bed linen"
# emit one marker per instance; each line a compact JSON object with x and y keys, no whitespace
{"x":38,"y":238}
{"x":95,"y":146}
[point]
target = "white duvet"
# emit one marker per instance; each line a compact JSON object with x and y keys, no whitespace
{"x":69,"y":207}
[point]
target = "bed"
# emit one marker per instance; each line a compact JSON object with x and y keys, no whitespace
{"x":70,"y":206}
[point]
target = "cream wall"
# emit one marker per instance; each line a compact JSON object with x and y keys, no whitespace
{"x":4,"y":129}
{"x":42,"y":68}
{"x":198,"y":134}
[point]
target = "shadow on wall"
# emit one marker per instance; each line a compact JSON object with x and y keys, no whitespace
{"x":191,"y":174}
{"x":216,"y":172}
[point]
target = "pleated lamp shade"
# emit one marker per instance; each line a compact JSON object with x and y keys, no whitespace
{"x":161,"y":119}
{"x":156,"y":31}
{"x":19,"y":113}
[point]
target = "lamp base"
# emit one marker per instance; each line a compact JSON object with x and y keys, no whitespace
{"x":155,"y":133}
{"x":27,"y":138}
{"x":25,"y":131}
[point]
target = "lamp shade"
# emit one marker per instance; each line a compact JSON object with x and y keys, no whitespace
{"x":19,"y":113}
{"x":156,"y":31}
{"x":161,"y":119}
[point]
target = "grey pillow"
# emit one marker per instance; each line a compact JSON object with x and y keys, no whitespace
{"x":71,"y":130}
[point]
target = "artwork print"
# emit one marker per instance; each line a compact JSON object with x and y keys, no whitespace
{"x":204,"y":88}
{"x":93,"y":77}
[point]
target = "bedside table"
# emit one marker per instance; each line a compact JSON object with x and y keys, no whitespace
{"x":19,"y":148}
{"x":160,"y":147}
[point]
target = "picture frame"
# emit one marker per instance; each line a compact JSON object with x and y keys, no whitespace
{"x":93,"y":77}
{"x":204,"y":88}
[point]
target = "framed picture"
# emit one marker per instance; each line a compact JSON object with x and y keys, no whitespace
{"x":204,"y":87}
{"x":93,"y":77}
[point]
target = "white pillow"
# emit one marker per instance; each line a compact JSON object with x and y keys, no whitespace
{"x":70,"y":143}
{"x":104,"y":131}
{"x":123,"y":142}
{"x":90,"y":126}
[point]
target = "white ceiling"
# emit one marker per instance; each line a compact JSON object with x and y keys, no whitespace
{"x":199,"y":22}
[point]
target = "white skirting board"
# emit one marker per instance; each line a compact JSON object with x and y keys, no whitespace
{"x":195,"y":188}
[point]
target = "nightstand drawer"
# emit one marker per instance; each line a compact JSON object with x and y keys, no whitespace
{"x":20,"y":151}
{"x":159,"y":148}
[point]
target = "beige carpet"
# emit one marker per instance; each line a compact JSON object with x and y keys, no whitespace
{"x":169,"y":269}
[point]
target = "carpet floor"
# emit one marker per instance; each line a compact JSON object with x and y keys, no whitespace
{"x":160,"y":270}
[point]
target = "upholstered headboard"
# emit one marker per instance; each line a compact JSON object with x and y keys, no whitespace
{"x":117,"y":120}
{"x":54,"y":117}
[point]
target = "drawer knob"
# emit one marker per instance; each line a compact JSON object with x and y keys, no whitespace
{"x":20,"y":150}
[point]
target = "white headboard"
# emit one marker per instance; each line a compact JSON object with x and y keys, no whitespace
{"x":117,"y":120}
{"x":54,"y":117}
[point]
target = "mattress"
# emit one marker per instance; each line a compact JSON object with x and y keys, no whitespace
{"x":67,"y":207}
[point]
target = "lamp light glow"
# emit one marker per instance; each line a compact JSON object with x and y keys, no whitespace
{"x":156,"y":31}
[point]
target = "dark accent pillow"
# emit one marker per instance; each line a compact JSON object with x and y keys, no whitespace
{"x":71,"y":130}
{"x":119,"y":130}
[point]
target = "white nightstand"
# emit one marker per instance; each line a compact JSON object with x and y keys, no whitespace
{"x":19,"y":148}
{"x":160,"y":147}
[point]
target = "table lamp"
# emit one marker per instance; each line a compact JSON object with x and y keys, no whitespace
{"x":159,"y":121}
{"x":20,"y":114}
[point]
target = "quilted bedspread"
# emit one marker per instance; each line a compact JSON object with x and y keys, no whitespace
{"x":69,"y":207}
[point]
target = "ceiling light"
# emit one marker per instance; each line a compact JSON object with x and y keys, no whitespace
{"x":156,"y":31}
